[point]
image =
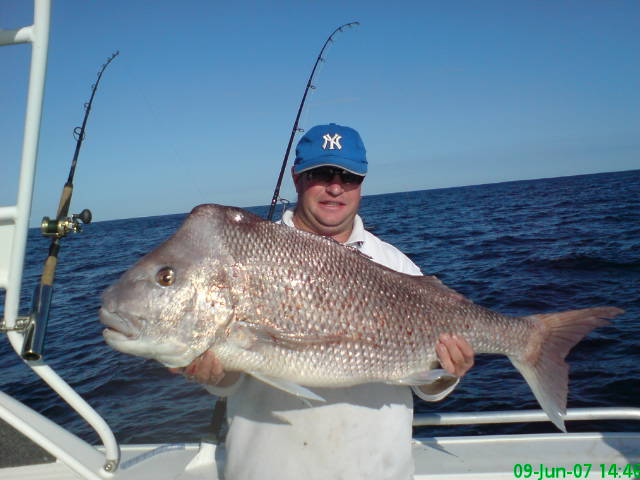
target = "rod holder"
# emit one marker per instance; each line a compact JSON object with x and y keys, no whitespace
{"x":33,"y":344}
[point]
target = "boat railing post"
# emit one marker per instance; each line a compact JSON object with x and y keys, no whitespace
{"x":13,"y":239}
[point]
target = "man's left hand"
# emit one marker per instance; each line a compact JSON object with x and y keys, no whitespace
{"x":455,"y":354}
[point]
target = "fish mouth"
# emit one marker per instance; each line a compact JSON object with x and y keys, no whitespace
{"x":118,"y":328}
{"x":126,"y":336}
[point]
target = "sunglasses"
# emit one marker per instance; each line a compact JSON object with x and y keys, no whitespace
{"x":326,"y":174}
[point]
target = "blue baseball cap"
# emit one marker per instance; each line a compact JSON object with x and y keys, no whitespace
{"x":331,"y":145}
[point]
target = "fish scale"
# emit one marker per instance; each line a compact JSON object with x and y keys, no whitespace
{"x":299,"y":310}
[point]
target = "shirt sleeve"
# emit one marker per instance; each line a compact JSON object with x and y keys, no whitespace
{"x":386,"y":254}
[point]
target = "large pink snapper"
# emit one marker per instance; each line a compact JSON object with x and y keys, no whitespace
{"x":293,"y":308}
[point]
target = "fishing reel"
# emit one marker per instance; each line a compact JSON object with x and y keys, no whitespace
{"x":60,"y":228}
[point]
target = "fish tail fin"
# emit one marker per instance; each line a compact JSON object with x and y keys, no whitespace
{"x":543,"y":365}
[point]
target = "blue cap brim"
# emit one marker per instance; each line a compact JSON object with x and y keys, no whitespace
{"x":330,"y":161}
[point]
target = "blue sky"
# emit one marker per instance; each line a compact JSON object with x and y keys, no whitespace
{"x":199,"y":105}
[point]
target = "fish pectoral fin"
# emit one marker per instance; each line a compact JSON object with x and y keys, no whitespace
{"x":428,"y":377}
{"x":285,"y":338}
{"x":288,"y":386}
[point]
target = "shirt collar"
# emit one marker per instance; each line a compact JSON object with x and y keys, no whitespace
{"x":356,"y":239}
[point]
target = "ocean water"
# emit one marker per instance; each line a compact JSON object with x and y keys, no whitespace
{"x":518,"y":247}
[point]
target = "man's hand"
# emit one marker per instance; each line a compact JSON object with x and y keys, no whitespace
{"x":208,"y":370}
{"x":455,"y":354}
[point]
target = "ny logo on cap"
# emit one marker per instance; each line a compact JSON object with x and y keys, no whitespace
{"x":332,"y":142}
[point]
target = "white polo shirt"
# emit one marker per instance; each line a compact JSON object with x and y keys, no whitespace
{"x":360,"y":432}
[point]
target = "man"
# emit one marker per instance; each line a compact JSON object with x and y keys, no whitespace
{"x":361,"y":432}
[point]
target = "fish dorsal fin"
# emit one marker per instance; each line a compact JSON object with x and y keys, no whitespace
{"x":433,"y":281}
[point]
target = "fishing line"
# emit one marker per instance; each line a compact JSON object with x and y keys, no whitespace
{"x":310,"y":86}
{"x":304,"y":119}
{"x":217,"y":428}
{"x":160,"y":121}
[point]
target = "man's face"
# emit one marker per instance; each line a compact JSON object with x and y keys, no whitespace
{"x":326,"y":207}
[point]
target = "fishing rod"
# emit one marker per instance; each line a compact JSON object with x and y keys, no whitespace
{"x":33,"y":346}
{"x":216,"y":429}
{"x":295,"y":129}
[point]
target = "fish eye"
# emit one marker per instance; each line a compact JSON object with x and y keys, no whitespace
{"x":166,"y":276}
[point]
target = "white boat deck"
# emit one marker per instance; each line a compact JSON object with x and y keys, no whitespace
{"x":445,"y":458}
{"x":526,"y":456}
{"x":536,"y":456}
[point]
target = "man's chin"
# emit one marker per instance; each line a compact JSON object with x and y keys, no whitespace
{"x":330,"y":225}
{"x":333,"y":219}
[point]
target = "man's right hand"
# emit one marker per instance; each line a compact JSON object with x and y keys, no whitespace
{"x":208,"y":370}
